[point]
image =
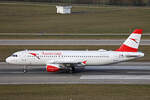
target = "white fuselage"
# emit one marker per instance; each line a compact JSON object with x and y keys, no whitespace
{"x":44,"y":57}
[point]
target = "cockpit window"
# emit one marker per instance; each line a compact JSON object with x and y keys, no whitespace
{"x":15,"y":55}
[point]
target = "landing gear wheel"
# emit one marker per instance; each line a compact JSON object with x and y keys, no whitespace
{"x":73,"y":69}
{"x":70,"y":70}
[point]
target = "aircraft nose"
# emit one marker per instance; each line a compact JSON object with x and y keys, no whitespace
{"x":8,"y":60}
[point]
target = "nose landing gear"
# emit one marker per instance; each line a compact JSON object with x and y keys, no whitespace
{"x":25,"y":69}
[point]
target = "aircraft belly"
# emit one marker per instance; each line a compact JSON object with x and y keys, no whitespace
{"x":99,"y":61}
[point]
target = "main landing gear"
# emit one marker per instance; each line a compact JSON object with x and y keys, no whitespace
{"x":72,"y":68}
{"x":69,"y":68}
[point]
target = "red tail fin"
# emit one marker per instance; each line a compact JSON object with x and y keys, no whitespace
{"x":132,"y":43}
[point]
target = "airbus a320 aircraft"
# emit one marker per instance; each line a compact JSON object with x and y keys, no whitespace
{"x":68,"y":60}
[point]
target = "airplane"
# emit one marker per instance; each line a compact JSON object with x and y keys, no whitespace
{"x":69,"y":60}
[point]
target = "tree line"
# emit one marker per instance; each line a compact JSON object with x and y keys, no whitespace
{"x":98,"y":2}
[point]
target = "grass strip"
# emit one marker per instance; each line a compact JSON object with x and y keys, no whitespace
{"x":74,"y":92}
{"x":6,"y":51}
{"x":19,"y":18}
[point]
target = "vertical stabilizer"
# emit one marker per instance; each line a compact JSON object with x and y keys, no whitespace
{"x":132,"y":43}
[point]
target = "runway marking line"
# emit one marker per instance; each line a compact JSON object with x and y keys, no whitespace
{"x":115,"y":77}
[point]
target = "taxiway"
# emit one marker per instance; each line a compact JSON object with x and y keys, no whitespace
{"x":67,"y":42}
{"x":123,"y":73}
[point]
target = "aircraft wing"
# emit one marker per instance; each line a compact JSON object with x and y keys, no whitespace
{"x":64,"y":64}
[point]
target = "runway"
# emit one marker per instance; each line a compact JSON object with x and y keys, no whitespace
{"x":124,"y":73}
{"x":67,"y":42}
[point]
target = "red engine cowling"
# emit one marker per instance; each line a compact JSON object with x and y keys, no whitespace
{"x":52,"y":67}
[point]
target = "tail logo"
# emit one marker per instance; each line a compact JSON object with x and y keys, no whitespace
{"x":134,"y":40}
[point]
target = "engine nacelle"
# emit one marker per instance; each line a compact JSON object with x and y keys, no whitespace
{"x":53,"y":67}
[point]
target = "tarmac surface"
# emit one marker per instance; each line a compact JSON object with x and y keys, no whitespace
{"x":67,"y":42}
{"x":123,"y":73}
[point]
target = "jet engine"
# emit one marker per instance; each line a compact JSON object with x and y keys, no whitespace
{"x":53,"y":67}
